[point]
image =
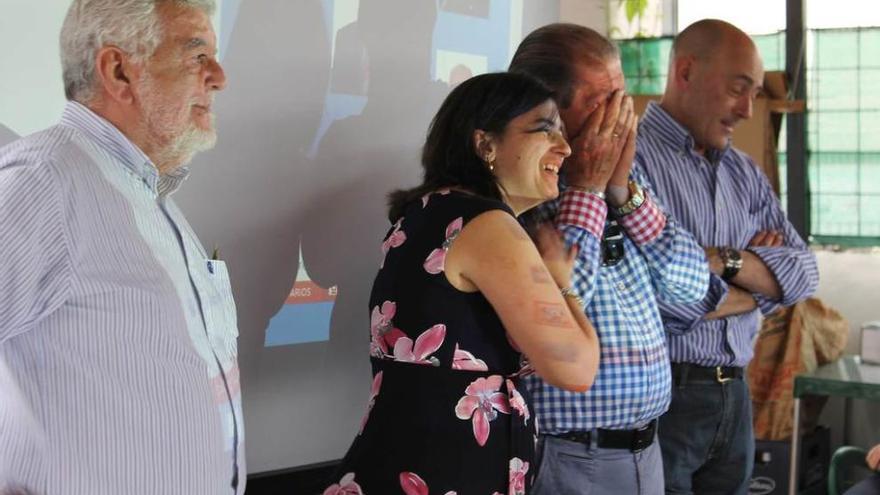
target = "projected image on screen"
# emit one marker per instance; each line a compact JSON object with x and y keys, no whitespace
{"x":305,"y":315}
{"x":469,"y":37}
{"x":476,"y":8}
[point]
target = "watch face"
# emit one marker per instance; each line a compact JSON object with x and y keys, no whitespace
{"x":732,"y":262}
{"x":731,"y":256}
{"x":636,"y":198}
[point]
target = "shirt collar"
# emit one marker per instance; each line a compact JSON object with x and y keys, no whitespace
{"x":659,"y":122}
{"x":113,"y":141}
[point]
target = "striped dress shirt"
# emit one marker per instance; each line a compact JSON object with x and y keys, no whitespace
{"x":117,"y":330}
{"x":22,"y":438}
{"x":661,"y":262}
{"x":724,"y":199}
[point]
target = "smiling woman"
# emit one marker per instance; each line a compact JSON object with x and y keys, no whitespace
{"x":462,"y":294}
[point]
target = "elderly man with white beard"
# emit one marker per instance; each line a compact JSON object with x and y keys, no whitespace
{"x":118,"y":330}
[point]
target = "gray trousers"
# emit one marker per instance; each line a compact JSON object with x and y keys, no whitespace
{"x":572,"y":468}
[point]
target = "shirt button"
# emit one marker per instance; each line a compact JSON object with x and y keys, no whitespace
{"x":621,"y":286}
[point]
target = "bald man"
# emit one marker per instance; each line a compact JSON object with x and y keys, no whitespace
{"x":758,"y":261}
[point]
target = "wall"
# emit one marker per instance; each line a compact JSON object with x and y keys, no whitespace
{"x":590,"y":13}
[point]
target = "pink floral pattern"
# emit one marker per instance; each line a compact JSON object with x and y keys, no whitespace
{"x":383,"y":335}
{"x":473,"y":393}
{"x":517,"y":402}
{"x":481,"y":405}
{"x":518,"y":470}
{"x":374,"y":392}
{"x":464,"y":360}
{"x":413,"y":484}
{"x":346,"y":486}
{"x":395,"y":239}
{"x":437,"y":259}
{"x":426,"y":344}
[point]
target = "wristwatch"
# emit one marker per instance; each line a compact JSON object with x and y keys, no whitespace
{"x":636,"y":199}
{"x":732,"y":260}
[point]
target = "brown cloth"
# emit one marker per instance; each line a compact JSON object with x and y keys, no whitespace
{"x":792,"y":340}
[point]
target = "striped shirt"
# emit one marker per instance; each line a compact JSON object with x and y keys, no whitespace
{"x":116,"y":328}
{"x":22,"y":438}
{"x":661,"y":261}
{"x":724,"y":201}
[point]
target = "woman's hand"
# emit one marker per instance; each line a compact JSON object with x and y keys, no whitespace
{"x":496,"y":256}
{"x":558,"y":258}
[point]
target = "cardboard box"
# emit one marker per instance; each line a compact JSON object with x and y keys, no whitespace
{"x":757,"y":136}
{"x":770,"y":475}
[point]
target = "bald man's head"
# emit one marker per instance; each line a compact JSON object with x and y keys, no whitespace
{"x":715,"y":73}
{"x":704,"y":38}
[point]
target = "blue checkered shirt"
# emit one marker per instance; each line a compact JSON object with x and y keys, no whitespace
{"x":661,"y":260}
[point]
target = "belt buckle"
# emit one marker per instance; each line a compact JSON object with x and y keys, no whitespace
{"x":719,"y":376}
{"x":638,"y":443}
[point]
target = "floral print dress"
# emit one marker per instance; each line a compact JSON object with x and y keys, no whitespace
{"x":446,"y":412}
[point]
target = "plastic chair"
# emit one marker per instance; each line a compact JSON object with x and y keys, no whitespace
{"x":847,"y":468}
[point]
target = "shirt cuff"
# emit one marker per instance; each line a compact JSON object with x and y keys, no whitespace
{"x":584,"y":210}
{"x":646,"y":223}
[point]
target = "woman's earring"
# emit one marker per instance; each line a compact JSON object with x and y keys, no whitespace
{"x":491,"y":164}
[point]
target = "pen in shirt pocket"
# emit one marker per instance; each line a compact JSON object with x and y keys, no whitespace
{"x":215,"y":256}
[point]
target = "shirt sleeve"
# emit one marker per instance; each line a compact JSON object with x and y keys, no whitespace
{"x":681,"y":318}
{"x":581,"y":219}
{"x":36,"y":269}
{"x":793,"y":264}
{"x":677,"y":264}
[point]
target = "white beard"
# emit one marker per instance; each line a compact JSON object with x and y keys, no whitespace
{"x":172,"y":146}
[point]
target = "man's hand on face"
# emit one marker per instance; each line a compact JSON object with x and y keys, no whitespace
{"x":597,"y":150}
{"x":618,"y":188}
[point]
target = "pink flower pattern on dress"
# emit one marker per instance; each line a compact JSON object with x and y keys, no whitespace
{"x":517,"y":402}
{"x":518,"y":470}
{"x":395,"y":239}
{"x":426,"y":344}
{"x":464,"y":360}
{"x":437,"y":259}
{"x":374,"y":392}
{"x":346,"y":486}
{"x":426,"y":197}
{"x":383,"y":335}
{"x":413,"y":484}
{"x":482,"y":404}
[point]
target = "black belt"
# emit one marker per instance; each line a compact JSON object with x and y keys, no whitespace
{"x":683,"y":373}
{"x":633,"y":440}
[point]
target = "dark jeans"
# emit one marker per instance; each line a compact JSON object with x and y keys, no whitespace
{"x":706,"y":438}
{"x":869,"y":486}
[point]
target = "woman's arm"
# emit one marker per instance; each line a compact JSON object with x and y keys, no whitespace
{"x":493,"y":254}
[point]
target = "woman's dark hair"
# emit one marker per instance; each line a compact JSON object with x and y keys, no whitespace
{"x":487,"y":102}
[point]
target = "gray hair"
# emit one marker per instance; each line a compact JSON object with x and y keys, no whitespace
{"x":551,"y":53}
{"x":131,"y":25}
